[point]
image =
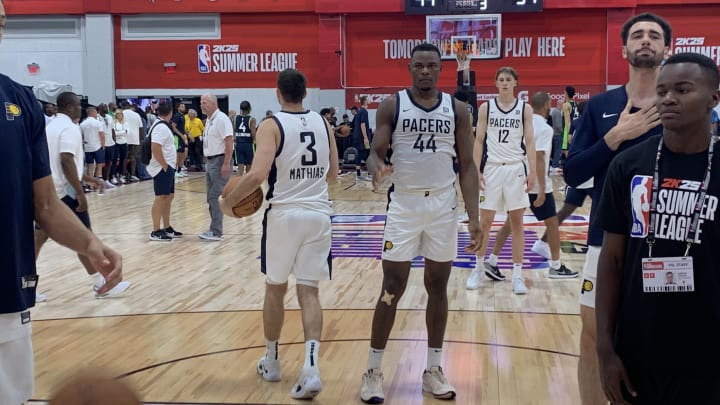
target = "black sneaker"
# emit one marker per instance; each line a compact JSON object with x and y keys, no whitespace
{"x":562,"y":272}
{"x":493,"y":272}
{"x":169,"y":231}
{"x":160,"y":236}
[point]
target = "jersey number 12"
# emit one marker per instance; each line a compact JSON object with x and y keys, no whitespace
{"x":503,"y":135}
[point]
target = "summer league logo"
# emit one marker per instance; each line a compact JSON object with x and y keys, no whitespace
{"x":676,"y":200}
{"x":230,"y":58}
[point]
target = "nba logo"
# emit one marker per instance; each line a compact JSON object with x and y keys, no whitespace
{"x":640,"y":192}
{"x":204,"y":57}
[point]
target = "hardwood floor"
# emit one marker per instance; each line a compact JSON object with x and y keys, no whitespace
{"x":189,"y":329}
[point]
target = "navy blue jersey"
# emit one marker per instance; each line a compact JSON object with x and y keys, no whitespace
{"x":24,"y":156}
{"x":590,"y":156}
{"x":179,"y":121}
{"x":243,"y":130}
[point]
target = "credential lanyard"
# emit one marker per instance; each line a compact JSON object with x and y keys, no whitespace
{"x":693,"y":226}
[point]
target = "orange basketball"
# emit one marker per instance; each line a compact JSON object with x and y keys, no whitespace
{"x":343,"y":130}
{"x":92,"y":389}
{"x":248,"y":205}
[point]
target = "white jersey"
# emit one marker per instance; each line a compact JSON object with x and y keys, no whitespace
{"x":299,"y":171}
{"x":504,"y":139}
{"x":423,"y":144}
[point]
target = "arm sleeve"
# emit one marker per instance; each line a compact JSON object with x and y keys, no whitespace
{"x":614,"y":201}
{"x":588,"y":153}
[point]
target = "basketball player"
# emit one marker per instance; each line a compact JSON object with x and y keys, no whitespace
{"x":425,"y":127}
{"x":504,"y":140}
{"x":297,"y":145}
{"x":65,"y":147}
{"x":640,"y":316}
{"x":542,"y":201}
{"x":33,"y":198}
{"x":570,"y":112}
{"x":612,"y":122}
{"x":244,"y":137}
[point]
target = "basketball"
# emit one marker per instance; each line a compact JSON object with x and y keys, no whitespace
{"x":91,"y":389}
{"x":248,"y":205}
{"x":343,"y":130}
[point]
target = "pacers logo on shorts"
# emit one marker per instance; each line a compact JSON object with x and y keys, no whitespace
{"x":587,"y":286}
{"x":204,"y":58}
{"x":12,"y":111}
{"x":387,"y":246}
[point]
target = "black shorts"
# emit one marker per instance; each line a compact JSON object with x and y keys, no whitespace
{"x":663,"y":388}
{"x":164,"y":182}
{"x":244,"y":153}
{"x":545,"y":211}
{"x":362,"y":155}
{"x":181,"y":145}
{"x":576,"y":196}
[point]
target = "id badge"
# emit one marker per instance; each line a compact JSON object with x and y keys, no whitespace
{"x":668,"y":274}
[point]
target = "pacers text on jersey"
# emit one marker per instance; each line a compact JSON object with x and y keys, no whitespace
{"x":426,"y":125}
{"x":302,"y":173}
{"x":505,"y":122}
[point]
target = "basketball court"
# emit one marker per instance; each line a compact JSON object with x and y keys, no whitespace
{"x":189,"y":330}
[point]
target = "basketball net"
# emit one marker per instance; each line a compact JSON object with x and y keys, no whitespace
{"x":463,"y":61}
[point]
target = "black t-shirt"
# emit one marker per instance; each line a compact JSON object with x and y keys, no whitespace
{"x":24,"y":155}
{"x":361,"y":118}
{"x":675,"y":333}
{"x":179,"y":121}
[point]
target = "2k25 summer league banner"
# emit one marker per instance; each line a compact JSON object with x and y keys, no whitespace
{"x":555,"y":47}
{"x":251,"y":52}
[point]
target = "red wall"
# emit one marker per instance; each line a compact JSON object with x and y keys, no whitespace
{"x":139,"y":64}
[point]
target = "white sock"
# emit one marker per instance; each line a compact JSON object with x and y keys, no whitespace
{"x":271,"y":349}
{"x":492,"y":259}
{"x":517,"y":270}
{"x":434,"y":356}
{"x":97,"y":279}
{"x":375,"y":359}
{"x":554,"y":264}
{"x":312,"y":347}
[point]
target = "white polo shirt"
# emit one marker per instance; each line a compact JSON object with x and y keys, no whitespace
{"x":134,"y":123}
{"x":91,"y":129}
{"x":64,"y":136}
{"x":217,"y":128}
{"x":108,"y":124}
{"x":543,"y":143}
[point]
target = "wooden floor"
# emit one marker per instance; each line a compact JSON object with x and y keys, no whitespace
{"x":189,"y":330}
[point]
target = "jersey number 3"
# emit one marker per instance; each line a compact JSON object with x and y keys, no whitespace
{"x":423,"y":144}
{"x":312,"y":159}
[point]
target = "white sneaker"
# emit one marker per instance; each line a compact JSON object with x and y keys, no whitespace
{"x":518,"y":285}
{"x":210,"y":236}
{"x":114,"y":181}
{"x":473,"y":282}
{"x":308,"y":384}
{"x":134,"y":178}
{"x":434,"y":382}
{"x":114,"y":292}
{"x":269,"y":369}
{"x":108,"y":184}
{"x":40,"y":297}
{"x":121,"y":180}
{"x":541,"y":248}
{"x":371,"y":390}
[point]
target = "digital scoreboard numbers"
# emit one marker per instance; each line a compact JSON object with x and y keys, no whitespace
{"x":471,"y":6}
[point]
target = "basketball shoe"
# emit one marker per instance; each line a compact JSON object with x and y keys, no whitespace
{"x":434,"y":382}
{"x":269,"y":369}
{"x":371,"y":390}
{"x":308,"y":385}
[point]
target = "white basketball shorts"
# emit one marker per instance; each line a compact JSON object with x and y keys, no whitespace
{"x":504,"y":187}
{"x":17,"y":373}
{"x":296,"y":241}
{"x":421,"y":223}
{"x":589,"y":277}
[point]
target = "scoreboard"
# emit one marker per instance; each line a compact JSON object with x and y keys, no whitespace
{"x":422,"y":7}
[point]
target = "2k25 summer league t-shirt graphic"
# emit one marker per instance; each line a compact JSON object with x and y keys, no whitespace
{"x":675,"y":208}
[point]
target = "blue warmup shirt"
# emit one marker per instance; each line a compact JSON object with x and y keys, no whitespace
{"x":590,"y":156}
{"x":24,"y":156}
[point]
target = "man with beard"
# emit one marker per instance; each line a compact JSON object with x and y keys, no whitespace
{"x":612,"y":122}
